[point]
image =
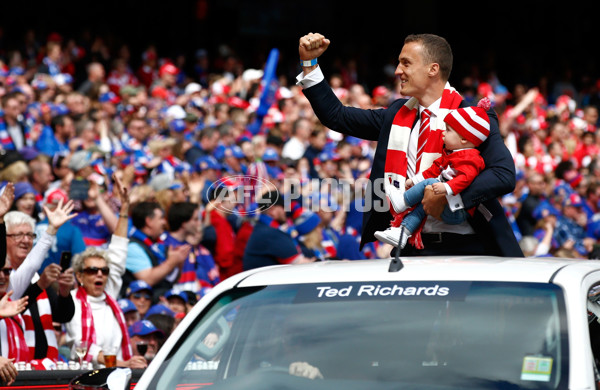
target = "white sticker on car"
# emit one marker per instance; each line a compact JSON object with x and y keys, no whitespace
{"x":536,"y":368}
{"x":389,"y":290}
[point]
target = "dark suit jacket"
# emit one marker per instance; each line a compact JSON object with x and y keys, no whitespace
{"x":498,"y":178}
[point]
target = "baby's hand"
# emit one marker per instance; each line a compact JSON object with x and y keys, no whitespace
{"x":439,"y":188}
{"x":408,"y":184}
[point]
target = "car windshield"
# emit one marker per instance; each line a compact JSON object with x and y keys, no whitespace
{"x":376,"y":335}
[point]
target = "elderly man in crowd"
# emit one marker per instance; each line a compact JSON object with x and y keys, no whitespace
{"x":25,"y":259}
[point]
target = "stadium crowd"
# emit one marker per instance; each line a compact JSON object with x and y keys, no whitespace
{"x":124,"y":168}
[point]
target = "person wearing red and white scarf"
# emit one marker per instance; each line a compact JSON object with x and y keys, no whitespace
{"x":98,"y":318}
{"x":12,"y":341}
{"x":459,"y":164}
{"x":9,"y":310}
{"x":26,"y":259}
{"x":424,"y":68}
{"x":12,"y":336}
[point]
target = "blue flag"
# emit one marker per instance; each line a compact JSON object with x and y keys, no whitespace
{"x":270,"y":87}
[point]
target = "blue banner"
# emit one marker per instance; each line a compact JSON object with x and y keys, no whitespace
{"x":270,"y":86}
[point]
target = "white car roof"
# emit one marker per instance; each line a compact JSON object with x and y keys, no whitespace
{"x":568,"y":273}
{"x":469,"y":268}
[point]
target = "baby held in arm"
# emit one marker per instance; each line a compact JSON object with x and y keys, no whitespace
{"x":460,"y":163}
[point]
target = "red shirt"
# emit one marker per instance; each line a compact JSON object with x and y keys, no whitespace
{"x":225,"y":246}
{"x":241,"y":239}
{"x":465,"y":164}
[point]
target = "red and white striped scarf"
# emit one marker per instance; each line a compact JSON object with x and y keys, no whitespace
{"x":396,"y":162}
{"x":88,"y":332}
{"x":45,"y":313}
{"x":13,"y":339}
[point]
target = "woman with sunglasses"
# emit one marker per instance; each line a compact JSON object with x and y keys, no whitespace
{"x":98,"y":319}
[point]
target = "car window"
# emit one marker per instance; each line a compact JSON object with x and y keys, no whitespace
{"x":377,"y":335}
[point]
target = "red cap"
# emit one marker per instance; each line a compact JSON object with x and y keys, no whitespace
{"x":168,"y":68}
{"x":55,"y":195}
{"x":380,"y":91}
{"x":160,"y":92}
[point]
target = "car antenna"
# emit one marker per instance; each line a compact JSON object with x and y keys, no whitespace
{"x":396,"y":264}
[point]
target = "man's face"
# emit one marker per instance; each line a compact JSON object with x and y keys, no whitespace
{"x":319,"y":141}
{"x":210,"y":174}
{"x":138,"y":130}
{"x":19,"y":241}
{"x":67,"y":130}
{"x":277,"y":213}
{"x":537,"y":185}
{"x":233,"y":163}
{"x":76,"y":104}
{"x":330,"y":168}
{"x":412,"y":70}
{"x":43,"y":176}
{"x":591,"y":115}
{"x":169,"y":79}
{"x":303,"y":129}
{"x":12,"y":109}
{"x":192,"y":227}
{"x":210,"y":143}
{"x":22,"y":99}
{"x":150,"y":339}
{"x":155,"y":224}
{"x":109,"y":107}
{"x":560,"y":131}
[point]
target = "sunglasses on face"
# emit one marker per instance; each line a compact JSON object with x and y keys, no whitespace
{"x":141,"y":295}
{"x":6,"y":271}
{"x":94,"y":270}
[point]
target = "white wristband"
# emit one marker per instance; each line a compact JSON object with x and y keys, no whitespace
{"x":308,"y":63}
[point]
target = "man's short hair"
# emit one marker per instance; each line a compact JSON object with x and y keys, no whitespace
{"x":136,"y":119}
{"x":269,"y":199}
{"x":435,"y":50}
{"x":7,"y":97}
{"x":141,"y":211}
{"x":58,"y":120}
{"x":180,"y":213}
{"x":14,"y":218}
{"x":207,"y":132}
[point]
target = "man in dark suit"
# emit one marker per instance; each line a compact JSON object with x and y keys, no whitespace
{"x":424,"y":69}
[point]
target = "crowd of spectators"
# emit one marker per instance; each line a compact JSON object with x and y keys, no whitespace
{"x":151,"y":146}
